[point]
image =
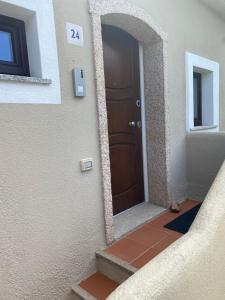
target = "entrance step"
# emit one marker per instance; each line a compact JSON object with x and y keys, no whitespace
{"x":113,"y":267}
{"x":96,"y":287}
{"x":143,"y":244}
{"x":121,"y":260}
{"x":135,"y":217}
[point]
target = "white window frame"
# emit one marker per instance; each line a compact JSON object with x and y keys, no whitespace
{"x":210,"y":92}
{"x":43,"y":87}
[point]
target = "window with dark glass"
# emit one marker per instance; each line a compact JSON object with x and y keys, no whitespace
{"x":197,"y":84}
{"x":13,"y":47}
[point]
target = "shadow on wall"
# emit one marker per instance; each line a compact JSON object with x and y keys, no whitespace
{"x":205,"y":155}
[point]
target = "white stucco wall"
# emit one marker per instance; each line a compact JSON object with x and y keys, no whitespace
{"x":191,"y":268}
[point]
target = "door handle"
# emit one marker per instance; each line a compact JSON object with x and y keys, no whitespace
{"x":132,"y":124}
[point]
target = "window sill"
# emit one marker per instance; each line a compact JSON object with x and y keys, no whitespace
{"x":203,"y":128}
{"x":24,"y":79}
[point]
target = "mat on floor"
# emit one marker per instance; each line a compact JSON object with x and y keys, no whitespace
{"x":184,"y":222}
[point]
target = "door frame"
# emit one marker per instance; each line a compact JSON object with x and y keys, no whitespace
{"x":143,"y":122}
{"x":139,"y":24}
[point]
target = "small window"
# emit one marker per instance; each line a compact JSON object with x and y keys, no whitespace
{"x":13,"y":47}
{"x":202,"y":92}
{"x":197,"y":87}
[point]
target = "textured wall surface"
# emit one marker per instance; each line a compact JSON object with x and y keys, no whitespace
{"x":52,"y":216}
{"x":191,"y":268}
{"x":156,"y":105}
{"x":205,"y":155}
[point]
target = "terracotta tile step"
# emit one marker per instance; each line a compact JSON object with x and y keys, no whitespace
{"x":117,"y":263}
{"x":97,"y":286}
{"x":143,"y":244}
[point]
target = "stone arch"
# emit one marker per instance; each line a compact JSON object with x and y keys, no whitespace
{"x":139,"y":24}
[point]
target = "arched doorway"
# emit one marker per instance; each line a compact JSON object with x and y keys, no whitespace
{"x":139,"y":25}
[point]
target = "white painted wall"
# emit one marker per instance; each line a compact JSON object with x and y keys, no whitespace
{"x":42,"y":51}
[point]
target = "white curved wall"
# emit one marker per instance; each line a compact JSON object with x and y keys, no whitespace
{"x":194,"y":266}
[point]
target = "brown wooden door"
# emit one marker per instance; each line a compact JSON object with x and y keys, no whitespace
{"x":121,"y":63}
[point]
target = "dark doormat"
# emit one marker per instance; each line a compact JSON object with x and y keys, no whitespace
{"x":183,"y":222}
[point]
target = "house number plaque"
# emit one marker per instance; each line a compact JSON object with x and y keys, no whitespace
{"x":75,"y":34}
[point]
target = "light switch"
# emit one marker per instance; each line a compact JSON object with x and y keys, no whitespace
{"x":86,"y":164}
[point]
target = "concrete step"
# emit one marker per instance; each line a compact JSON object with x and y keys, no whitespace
{"x":95,"y":287}
{"x":113,"y":267}
{"x":81,"y":294}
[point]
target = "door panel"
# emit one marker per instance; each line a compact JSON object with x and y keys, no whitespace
{"x":121,"y":64}
{"x":121,"y":156}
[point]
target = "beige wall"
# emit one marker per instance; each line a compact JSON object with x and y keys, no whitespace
{"x":205,"y":155}
{"x":52,"y":215}
{"x":51,"y":219}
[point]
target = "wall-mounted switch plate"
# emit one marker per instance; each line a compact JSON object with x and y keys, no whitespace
{"x":79,"y":84}
{"x":86,"y":164}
